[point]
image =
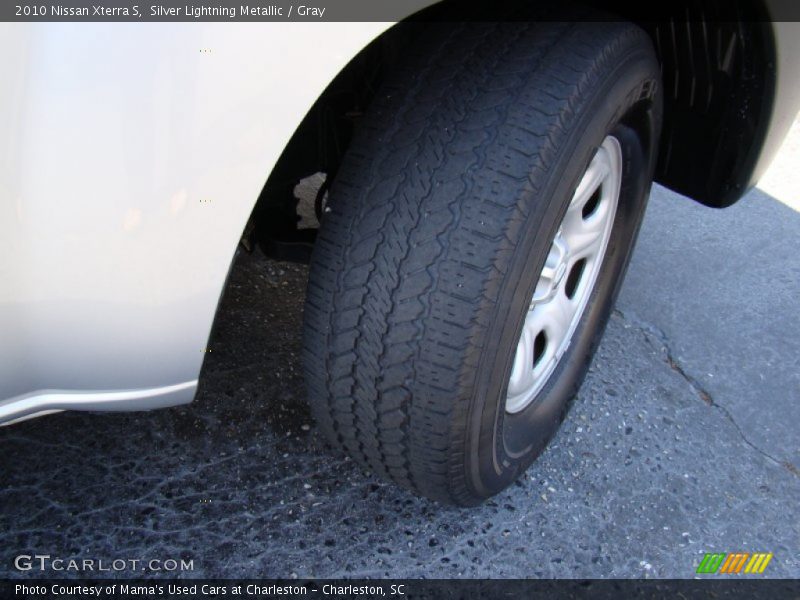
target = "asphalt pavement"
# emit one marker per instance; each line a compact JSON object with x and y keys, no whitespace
{"x":683,"y":440}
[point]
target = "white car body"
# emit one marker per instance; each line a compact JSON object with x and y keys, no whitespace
{"x":132,"y":157}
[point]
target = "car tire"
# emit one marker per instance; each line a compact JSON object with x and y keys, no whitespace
{"x":440,"y":230}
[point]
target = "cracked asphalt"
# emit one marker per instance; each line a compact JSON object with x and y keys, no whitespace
{"x":683,"y":440}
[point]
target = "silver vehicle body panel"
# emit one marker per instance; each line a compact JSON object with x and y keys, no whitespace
{"x":787,"y":92}
{"x":132,"y":157}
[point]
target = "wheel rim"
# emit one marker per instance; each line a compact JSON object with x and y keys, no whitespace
{"x":568,"y":277}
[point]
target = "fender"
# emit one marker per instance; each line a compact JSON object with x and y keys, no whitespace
{"x":133,"y":155}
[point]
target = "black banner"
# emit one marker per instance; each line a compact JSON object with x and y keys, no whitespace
{"x":377,"y":10}
{"x":572,"y":589}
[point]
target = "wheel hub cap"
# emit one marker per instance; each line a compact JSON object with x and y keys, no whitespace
{"x":568,"y":277}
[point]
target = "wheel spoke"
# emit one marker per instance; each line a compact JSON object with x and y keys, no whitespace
{"x":557,"y":316}
{"x":598,"y":171}
{"x":549,"y":278}
{"x":585,"y":237}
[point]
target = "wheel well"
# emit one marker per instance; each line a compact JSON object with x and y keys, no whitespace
{"x":718,"y":66}
{"x":719,"y":79}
